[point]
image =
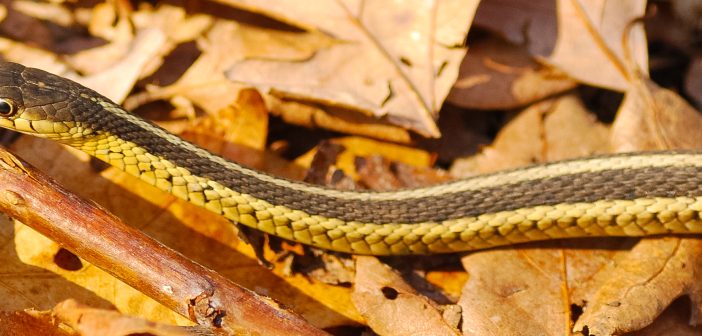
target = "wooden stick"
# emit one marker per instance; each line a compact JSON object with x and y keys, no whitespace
{"x":102,"y":239}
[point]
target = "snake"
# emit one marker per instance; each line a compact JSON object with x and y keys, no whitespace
{"x":629,"y":194}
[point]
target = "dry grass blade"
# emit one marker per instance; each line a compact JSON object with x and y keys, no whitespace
{"x":99,"y":237}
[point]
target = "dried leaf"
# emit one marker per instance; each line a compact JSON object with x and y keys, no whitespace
{"x":555,"y":129}
{"x":93,"y":321}
{"x":693,"y":81}
{"x":389,"y":62}
{"x":178,"y":26}
{"x":336,"y":119}
{"x":499,"y":75}
{"x":238,"y":131}
{"x":528,"y":23}
{"x":33,"y":57}
{"x":225,"y":43}
{"x":673,"y":321}
{"x":515,"y":292}
{"x":639,"y":287}
{"x":45,"y":11}
{"x":358,"y":147}
{"x":29,"y":323}
{"x":589,"y":46}
{"x":118,"y":80}
{"x":652,"y":118}
{"x":388,"y":303}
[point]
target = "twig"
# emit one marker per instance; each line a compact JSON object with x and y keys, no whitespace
{"x":102,"y":239}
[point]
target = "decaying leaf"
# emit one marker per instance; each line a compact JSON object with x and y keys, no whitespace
{"x":581,"y":38}
{"x":555,"y":129}
{"x":93,"y":321}
{"x":529,"y":23}
{"x":389,"y":304}
{"x":652,"y":118}
{"x":638,"y":287}
{"x":117,"y":81}
{"x":693,"y":81}
{"x":499,"y":75}
{"x":390,"y":60}
{"x":589,"y":46}
{"x":358,"y":147}
{"x":30,"y":322}
{"x":515,"y":292}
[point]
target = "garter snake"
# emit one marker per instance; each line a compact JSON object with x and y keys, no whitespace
{"x":632,"y":194}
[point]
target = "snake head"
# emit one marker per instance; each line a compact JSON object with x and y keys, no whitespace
{"x":39,"y":103}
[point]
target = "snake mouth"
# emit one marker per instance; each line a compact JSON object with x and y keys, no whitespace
{"x":7,"y":123}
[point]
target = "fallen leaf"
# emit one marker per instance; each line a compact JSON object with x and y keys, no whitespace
{"x":33,"y":57}
{"x":87,"y":320}
{"x":336,"y":119}
{"x":29,"y":323}
{"x":390,"y":62}
{"x":639,"y":287}
{"x":225,"y":43}
{"x":241,"y":126}
{"x":554,"y":129}
{"x":653,"y":118}
{"x":498,"y":75}
{"x":673,"y":321}
{"x":515,"y":292}
{"x":528,"y":23}
{"x":178,"y":25}
{"x":589,"y":46}
{"x":693,"y":81}
{"x":388,"y":303}
{"x":46,"y":11}
{"x":358,"y":147}
{"x":118,"y":80}
{"x":581,"y":38}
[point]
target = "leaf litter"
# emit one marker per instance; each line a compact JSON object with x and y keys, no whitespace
{"x":188,"y":67}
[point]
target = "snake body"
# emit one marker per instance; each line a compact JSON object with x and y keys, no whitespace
{"x":632,"y":194}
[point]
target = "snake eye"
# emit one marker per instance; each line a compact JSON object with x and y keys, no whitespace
{"x":7,"y":108}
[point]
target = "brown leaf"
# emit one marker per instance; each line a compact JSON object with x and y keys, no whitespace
{"x":499,"y":75}
{"x":693,"y":81}
{"x":653,"y":118}
{"x":29,"y":323}
{"x":589,"y":46}
{"x":515,"y":292}
{"x":34,"y":57}
{"x":336,"y":119}
{"x":390,"y":306}
{"x":358,"y":147}
{"x":118,"y":80}
{"x":529,"y":23}
{"x":93,"y":321}
{"x":391,"y":61}
{"x":673,"y":321}
{"x":551,"y":130}
{"x":640,"y":286}
{"x":238,"y":132}
{"x":224,"y":44}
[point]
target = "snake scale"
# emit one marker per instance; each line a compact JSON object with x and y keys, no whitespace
{"x":632,"y":194}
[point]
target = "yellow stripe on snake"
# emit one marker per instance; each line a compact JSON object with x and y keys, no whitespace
{"x":619,"y":195}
